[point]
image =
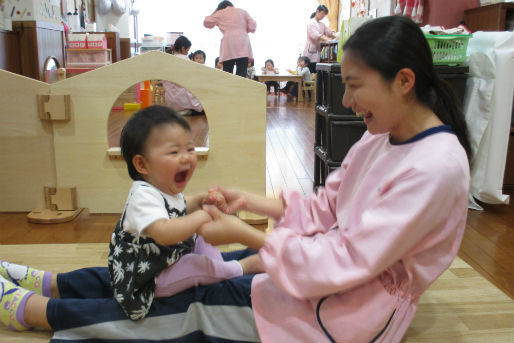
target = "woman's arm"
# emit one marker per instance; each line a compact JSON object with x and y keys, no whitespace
{"x":251,"y":25}
{"x":313,"y":32}
{"x":173,"y":231}
{"x":418,"y":209}
{"x":238,"y":200}
{"x":211,"y":21}
{"x":224,"y":229}
{"x":194,"y":202}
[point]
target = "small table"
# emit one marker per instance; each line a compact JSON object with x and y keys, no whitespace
{"x":284,"y":77}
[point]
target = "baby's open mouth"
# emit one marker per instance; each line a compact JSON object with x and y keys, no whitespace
{"x":181,"y":177}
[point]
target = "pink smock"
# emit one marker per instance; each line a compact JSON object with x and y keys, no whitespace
{"x":179,"y":98}
{"x":355,"y":257}
{"x":315,"y":30}
{"x":235,"y":24}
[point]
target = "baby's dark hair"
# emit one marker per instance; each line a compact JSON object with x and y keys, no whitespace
{"x":216,"y":62}
{"x":305,"y":59}
{"x":181,"y":42}
{"x":270,"y":61}
{"x":136,"y":131}
{"x":199,"y":52}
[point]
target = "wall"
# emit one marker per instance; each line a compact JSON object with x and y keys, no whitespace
{"x":122,"y":22}
{"x":446,"y":13}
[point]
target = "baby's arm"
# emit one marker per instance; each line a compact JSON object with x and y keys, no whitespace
{"x":172,"y":231}
{"x":239,"y":200}
{"x":195,"y":202}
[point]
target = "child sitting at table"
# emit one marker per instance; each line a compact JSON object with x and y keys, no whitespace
{"x":269,"y":69}
{"x":301,"y":69}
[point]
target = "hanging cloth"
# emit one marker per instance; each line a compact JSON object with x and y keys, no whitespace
{"x":410,"y":8}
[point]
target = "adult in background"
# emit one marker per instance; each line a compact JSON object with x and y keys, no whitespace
{"x":235,"y":24}
{"x":317,"y":32}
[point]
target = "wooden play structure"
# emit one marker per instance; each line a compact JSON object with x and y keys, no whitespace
{"x":55,"y":135}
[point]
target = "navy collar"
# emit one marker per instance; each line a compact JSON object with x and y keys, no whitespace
{"x":421,"y":135}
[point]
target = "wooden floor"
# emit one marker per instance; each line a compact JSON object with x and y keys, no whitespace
{"x":488,"y":244}
{"x":461,"y":306}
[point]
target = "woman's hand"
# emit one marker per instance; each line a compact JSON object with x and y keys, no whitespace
{"x":223,"y":228}
{"x":235,"y":200}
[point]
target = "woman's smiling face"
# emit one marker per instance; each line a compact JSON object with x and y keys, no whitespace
{"x":369,"y":95}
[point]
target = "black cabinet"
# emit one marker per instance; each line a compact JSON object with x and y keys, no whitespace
{"x":337,"y":128}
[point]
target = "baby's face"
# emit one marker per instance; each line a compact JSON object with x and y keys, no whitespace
{"x":269,"y":66}
{"x":198,"y":58}
{"x":169,"y":158}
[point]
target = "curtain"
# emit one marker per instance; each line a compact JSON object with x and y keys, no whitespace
{"x":333,"y":13}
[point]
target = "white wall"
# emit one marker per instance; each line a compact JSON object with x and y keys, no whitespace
{"x":122,"y":22}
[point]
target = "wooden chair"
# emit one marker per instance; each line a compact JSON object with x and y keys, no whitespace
{"x":311,"y":87}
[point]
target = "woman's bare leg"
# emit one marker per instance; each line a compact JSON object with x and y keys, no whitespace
{"x":251,"y":265}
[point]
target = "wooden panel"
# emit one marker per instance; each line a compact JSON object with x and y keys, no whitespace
{"x":26,"y":145}
{"x":10,"y":51}
{"x":237,"y":127}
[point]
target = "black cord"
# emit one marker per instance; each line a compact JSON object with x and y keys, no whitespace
{"x":385,"y":327}
{"x":332,"y":340}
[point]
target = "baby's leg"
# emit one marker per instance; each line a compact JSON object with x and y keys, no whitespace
{"x":194,"y":270}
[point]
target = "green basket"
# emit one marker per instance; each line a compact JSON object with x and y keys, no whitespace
{"x":448,"y":49}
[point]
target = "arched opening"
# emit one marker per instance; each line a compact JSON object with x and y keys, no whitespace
{"x":161,"y":92}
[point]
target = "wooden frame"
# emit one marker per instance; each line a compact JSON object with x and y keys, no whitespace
{"x":73,"y":153}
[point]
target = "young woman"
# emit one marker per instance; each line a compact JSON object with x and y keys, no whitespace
{"x":235,"y":24}
{"x":347,"y":264}
{"x":317,"y":32}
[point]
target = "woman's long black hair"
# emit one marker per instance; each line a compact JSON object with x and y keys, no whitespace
{"x":389,"y":44}
{"x":321,"y":8}
{"x":181,"y":42}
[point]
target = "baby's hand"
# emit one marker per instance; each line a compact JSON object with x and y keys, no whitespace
{"x":235,"y":199}
{"x":217,"y":199}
